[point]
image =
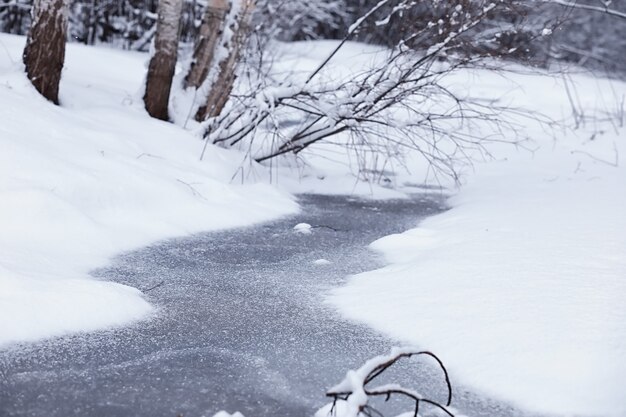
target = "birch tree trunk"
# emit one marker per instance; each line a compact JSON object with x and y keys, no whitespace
{"x":44,"y":53}
{"x":210,"y":33}
{"x":233,"y":40}
{"x":163,"y":62}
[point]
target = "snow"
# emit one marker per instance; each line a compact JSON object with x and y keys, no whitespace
{"x":520,"y":286}
{"x":351,"y":396}
{"x":334,"y":166}
{"x":330,"y":177}
{"x":340,"y":409}
{"x":321,"y":262}
{"x":85,"y":181}
{"x":227,"y":414}
{"x":303,"y":228}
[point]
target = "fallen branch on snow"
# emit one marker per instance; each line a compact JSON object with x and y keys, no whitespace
{"x":354,"y":392}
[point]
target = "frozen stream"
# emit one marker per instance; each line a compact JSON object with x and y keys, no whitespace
{"x":241,"y":326}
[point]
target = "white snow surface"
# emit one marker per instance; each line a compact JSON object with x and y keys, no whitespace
{"x":96,"y":176}
{"x":521,"y":286}
{"x":303,"y":228}
{"x":223,"y":413}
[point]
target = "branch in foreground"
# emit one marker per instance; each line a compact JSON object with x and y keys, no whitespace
{"x":353,"y":393}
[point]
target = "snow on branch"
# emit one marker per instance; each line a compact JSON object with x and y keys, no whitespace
{"x":400,"y":104}
{"x":351,"y":396}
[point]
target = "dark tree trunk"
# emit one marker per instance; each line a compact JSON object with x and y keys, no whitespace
{"x":163,"y":62}
{"x":45,"y":47}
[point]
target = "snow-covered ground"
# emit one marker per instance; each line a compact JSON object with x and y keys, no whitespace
{"x":521,"y":286}
{"x":82,"y":182}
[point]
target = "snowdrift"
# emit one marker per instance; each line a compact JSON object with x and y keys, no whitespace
{"x":82,"y":182}
{"x":521,"y":286}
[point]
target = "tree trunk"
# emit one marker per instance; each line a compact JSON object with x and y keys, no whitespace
{"x":210,"y":33}
{"x":224,"y":80}
{"x":163,"y":62}
{"x":45,"y":47}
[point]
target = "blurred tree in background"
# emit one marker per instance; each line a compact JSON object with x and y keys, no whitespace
{"x":585,"y":35}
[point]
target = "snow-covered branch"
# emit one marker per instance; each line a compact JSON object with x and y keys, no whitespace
{"x":351,"y":396}
{"x":398,"y":105}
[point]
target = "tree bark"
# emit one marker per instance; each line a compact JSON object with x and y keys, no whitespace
{"x":163,"y":62}
{"x":223,"y":83}
{"x":45,"y":47}
{"x":210,"y":33}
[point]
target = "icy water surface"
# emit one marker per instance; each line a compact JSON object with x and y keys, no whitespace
{"x":241,"y":326}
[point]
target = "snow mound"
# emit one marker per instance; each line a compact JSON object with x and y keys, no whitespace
{"x":223,"y":413}
{"x":303,"y":228}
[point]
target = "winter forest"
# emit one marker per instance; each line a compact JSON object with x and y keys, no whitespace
{"x":298,"y":208}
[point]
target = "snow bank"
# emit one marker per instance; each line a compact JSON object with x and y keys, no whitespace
{"x":521,"y":286}
{"x":82,"y":182}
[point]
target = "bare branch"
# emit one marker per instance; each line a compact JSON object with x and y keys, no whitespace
{"x":574,"y":4}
